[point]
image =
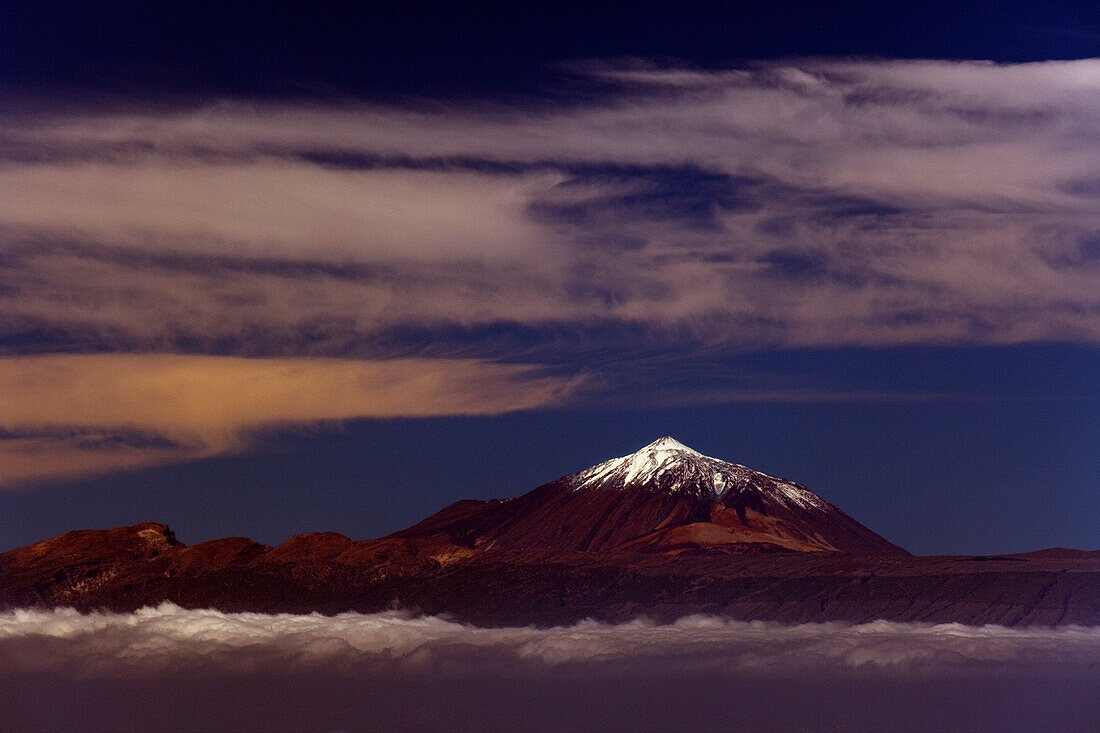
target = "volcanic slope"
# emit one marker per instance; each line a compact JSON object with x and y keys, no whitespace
{"x":666,"y":498}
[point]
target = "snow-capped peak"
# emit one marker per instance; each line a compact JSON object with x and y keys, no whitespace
{"x":646,"y":465}
{"x":668,"y":443}
{"x":668,"y":465}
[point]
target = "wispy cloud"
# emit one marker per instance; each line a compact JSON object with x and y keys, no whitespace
{"x":271,"y":208}
{"x":64,"y":415}
{"x":803,"y":203}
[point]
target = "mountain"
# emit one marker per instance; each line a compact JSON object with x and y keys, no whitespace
{"x":662,"y":533}
{"x":665,"y":498}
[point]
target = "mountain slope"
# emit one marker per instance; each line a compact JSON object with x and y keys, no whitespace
{"x":665,"y":498}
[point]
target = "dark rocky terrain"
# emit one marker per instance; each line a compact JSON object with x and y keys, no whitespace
{"x":129,"y":567}
{"x":662,"y":533}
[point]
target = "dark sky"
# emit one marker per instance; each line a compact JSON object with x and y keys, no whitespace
{"x":446,"y":49}
{"x":267,"y":269}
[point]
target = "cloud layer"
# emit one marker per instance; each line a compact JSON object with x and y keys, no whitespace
{"x":154,"y":641}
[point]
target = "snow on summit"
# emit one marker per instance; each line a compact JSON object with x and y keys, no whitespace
{"x":669,"y":465}
{"x":648,"y":464}
{"x":650,"y":461}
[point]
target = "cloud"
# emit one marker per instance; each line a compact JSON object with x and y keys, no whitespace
{"x":64,"y":415}
{"x":274,"y":208}
{"x":804,"y":203}
{"x":152,"y":641}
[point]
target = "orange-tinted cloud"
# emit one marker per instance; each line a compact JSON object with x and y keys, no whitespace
{"x":66,"y":415}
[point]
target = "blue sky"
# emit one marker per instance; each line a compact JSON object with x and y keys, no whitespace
{"x":266,"y":269}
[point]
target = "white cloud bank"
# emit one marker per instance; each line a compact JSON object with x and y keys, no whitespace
{"x":168,"y":639}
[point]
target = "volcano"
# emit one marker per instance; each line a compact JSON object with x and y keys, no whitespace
{"x":665,"y":498}
{"x":662,"y":533}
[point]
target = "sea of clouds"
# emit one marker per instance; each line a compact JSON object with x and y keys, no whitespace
{"x":191,"y":670}
{"x":155,"y":640}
